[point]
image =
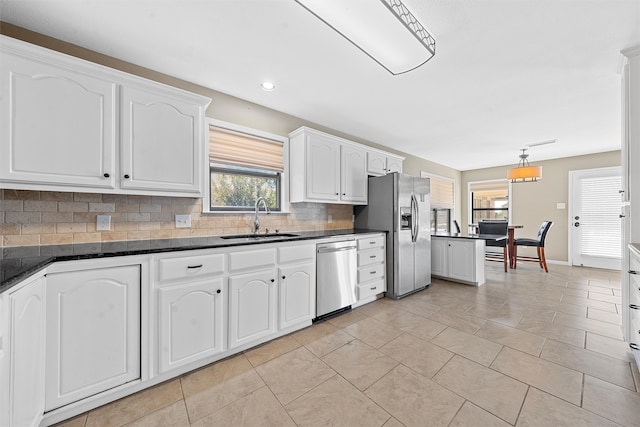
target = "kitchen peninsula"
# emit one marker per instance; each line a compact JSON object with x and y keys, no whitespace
{"x":459,"y":257}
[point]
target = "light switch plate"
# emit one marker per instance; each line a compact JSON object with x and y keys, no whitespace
{"x":560,"y":206}
{"x":103,"y":223}
{"x":183,"y":221}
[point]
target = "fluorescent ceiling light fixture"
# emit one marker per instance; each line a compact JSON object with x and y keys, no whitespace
{"x":524,"y":172}
{"x":268,"y":86}
{"x":383,"y":29}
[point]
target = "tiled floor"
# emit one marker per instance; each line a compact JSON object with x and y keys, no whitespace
{"x":526,"y":349}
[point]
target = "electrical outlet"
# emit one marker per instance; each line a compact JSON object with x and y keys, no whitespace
{"x":183,"y":221}
{"x":103,"y":223}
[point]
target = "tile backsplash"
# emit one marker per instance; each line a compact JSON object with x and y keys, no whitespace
{"x":29,"y":218}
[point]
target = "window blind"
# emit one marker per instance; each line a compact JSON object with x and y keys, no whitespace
{"x":238,"y":149}
{"x":600,"y":225}
{"x":441,"y":193}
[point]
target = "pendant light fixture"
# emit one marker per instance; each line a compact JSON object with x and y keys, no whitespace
{"x":524,"y":172}
{"x":383,"y":29}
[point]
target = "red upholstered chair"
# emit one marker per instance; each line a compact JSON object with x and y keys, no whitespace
{"x":537,"y":243}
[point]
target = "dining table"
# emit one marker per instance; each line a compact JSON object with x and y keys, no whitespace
{"x":511,"y":246}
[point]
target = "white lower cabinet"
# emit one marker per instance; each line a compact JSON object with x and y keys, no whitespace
{"x":93,"y":332}
{"x":371,"y":267}
{"x":252,"y":306}
{"x":458,"y":259}
{"x":297,"y":294}
{"x":26,"y":379}
{"x":191,"y":322}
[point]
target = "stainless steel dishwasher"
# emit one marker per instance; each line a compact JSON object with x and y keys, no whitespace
{"x":336,"y":276}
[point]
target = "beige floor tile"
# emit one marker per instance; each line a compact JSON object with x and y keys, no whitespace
{"x":421,"y":356}
{"x":595,"y":364}
{"x":209,"y":389}
{"x":541,"y":409}
{"x":604,"y":297}
{"x":258,"y":408}
{"x":490,"y":390}
{"x":604,"y":316}
{"x":472,"y":415}
{"x":78,"y":421}
{"x":556,"y":331}
{"x":359,"y":363}
{"x":560,"y":307}
{"x":174,"y":415}
{"x":460,"y":321}
{"x":418,"y":306}
{"x":590,"y":325}
{"x":589,"y":302}
{"x":609,"y":346}
{"x":562,"y":382}
{"x":336,"y":403}
{"x":131,"y":408}
{"x":272,"y":349}
{"x":372,"y":332}
{"x":509,"y":314}
{"x":470,"y":346}
{"x":413,"y":399}
{"x":512,"y":337}
{"x":600,"y":287}
{"x":610,"y":401}
{"x":322,"y":338}
{"x":408,"y":322}
{"x":393,"y":423}
{"x":293,"y":374}
{"x":345,"y":319}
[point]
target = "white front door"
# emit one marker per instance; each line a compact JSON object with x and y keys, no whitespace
{"x":595,"y":225}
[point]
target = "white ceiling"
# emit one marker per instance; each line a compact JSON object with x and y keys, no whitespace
{"x":506,"y":73}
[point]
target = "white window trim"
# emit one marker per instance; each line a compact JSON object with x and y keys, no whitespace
{"x":284,"y":196}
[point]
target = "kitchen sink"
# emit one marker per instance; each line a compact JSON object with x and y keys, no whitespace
{"x":259,"y":236}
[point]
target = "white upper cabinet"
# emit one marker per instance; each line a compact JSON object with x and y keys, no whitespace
{"x":71,"y":125}
{"x":353,"y":183}
{"x":323,"y":169}
{"x":58,"y":125}
{"x":161,"y":137}
{"x":379,"y":163}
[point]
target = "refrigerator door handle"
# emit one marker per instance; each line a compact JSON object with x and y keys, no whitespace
{"x":414,"y":218}
{"x":417,"y":218}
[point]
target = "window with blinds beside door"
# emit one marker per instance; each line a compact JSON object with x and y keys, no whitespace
{"x":244,"y":167}
{"x":442,"y":202}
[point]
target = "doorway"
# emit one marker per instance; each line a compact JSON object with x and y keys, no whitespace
{"x":595,"y":228}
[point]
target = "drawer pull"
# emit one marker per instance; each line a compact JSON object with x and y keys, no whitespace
{"x":373,"y":272}
{"x":633,"y":272}
{"x":372,"y":243}
{"x":634,"y":346}
{"x":372,"y":256}
{"x":374,"y":288}
{"x":218,"y":291}
{"x":273,"y":280}
{"x":195,"y":266}
{"x":635,"y":307}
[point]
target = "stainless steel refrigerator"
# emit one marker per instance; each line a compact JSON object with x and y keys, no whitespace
{"x":400,"y":205}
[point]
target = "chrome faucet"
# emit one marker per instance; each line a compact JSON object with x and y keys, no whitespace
{"x":256,"y":220}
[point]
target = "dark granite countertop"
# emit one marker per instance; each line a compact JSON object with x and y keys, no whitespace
{"x":18,"y":263}
{"x":493,"y":237}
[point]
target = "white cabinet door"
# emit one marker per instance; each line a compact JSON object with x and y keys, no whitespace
{"x":439,"y":257}
{"x":161,"y":143}
{"x":57,"y":125}
{"x":297,"y":294}
{"x":27,"y":355}
{"x":191,"y":322}
{"x":394,"y":164}
{"x":376,"y":163}
{"x":93,"y":332}
{"x":353,"y":177}
{"x":461,"y":258}
{"x":252,"y":305}
{"x":323,"y":168}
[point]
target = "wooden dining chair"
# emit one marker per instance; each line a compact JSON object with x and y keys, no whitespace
{"x":499,"y":228}
{"x":537,"y":243}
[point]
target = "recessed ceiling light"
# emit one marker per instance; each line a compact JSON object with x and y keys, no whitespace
{"x":268,"y":86}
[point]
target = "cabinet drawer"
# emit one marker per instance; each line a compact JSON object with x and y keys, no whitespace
{"x":192,"y":266}
{"x":372,"y":256}
{"x":369,"y":289}
{"x":296,"y":253}
{"x":369,"y":273}
{"x":252,"y":259}
{"x":371,"y":242}
{"x":634,"y":263}
{"x":635,"y":330}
